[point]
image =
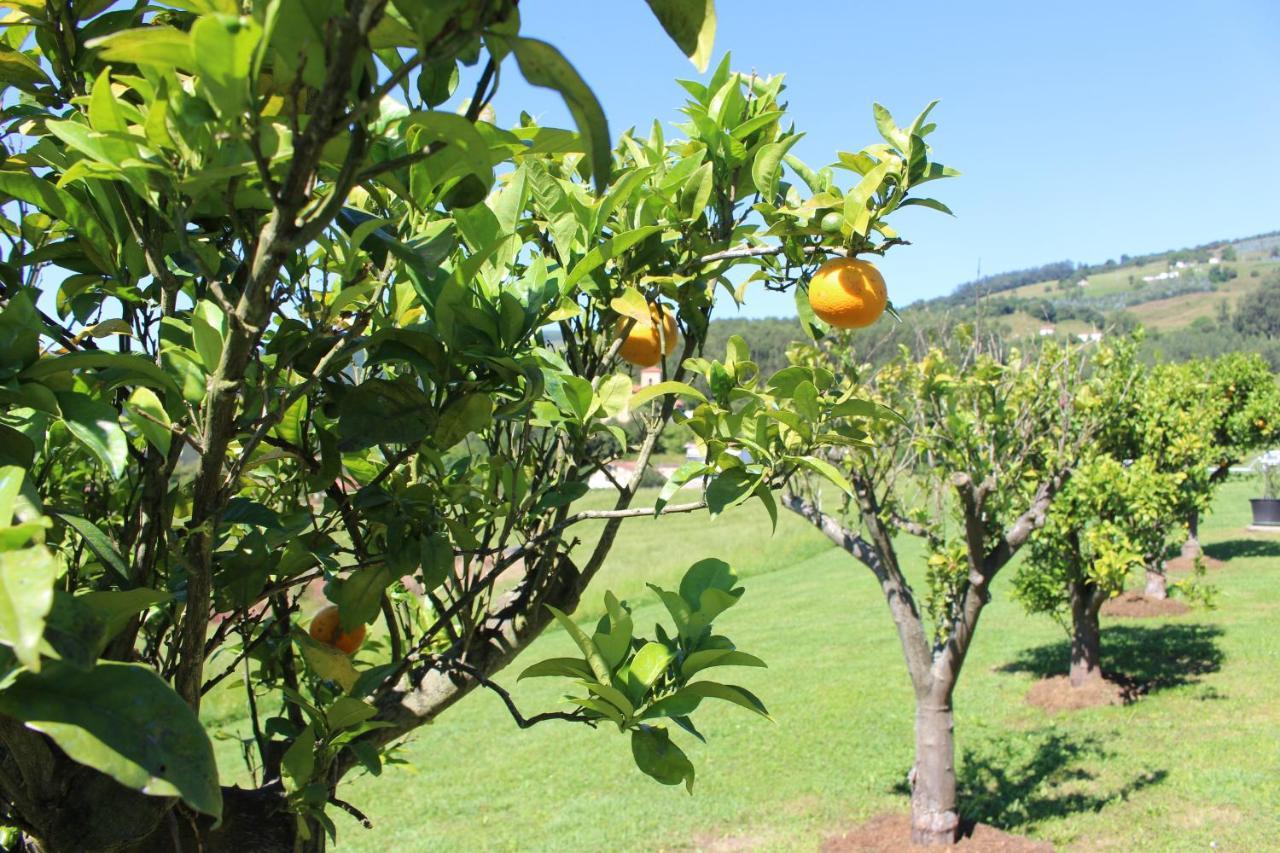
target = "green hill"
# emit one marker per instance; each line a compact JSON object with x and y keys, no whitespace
{"x":1188,"y":300}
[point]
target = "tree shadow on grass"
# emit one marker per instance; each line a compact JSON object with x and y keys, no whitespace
{"x":1016,"y":782}
{"x":1233,"y":548}
{"x":1023,"y":779}
{"x":1144,"y":658}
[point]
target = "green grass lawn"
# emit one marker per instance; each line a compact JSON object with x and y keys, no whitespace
{"x":1194,"y":762}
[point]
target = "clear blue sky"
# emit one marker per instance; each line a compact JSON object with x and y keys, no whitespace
{"x":1084,"y":129}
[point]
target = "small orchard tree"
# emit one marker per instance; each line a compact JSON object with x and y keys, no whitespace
{"x":274,"y":315}
{"x":1243,"y":399}
{"x":1107,"y":522}
{"x":985,"y":441}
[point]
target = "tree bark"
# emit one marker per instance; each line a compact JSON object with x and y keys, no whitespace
{"x":934,"y":820}
{"x":1086,"y":638}
{"x":1157,"y":587}
{"x":1191,"y":548}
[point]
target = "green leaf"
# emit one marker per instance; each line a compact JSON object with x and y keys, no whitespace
{"x":606,"y":250}
{"x":26,"y":596}
{"x":223,"y":47}
{"x":380,"y":411}
{"x":825,"y":469}
{"x":594,"y":659}
{"x":631,"y":303}
{"x":62,"y":206}
{"x":657,"y":756}
{"x":99,"y":543}
{"x":19,"y":70}
{"x":650,"y":662}
{"x":347,"y":711}
{"x":97,"y":426}
{"x":703,"y":575}
{"x":141,"y":369}
{"x":123,"y":720}
{"x":359,"y":595}
{"x":691,"y":25}
{"x":658,"y":389}
{"x":614,"y":395}
{"x":543,"y":65}
{"x":677,"y":480}
{"x":454,"y":132}
{"x":729,"y":693}
{"x":856,"y":408}
{"x":143,"y":409}
{"x":299,"y":760}
{"x":889,"y":129}
{"x":931,"y":203}
{"x":208,"y":331}
{"x":462,"y":417}
{"x":561,"y":667}
{"x":162,"y":47}
{"x":729,"y":488}
{"x":701,"y":660}
{"x":328,"y":663}
{"x":117,"y":607}
{"x":768,"y":166}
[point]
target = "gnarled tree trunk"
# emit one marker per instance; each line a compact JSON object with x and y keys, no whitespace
{"x":1086,"y":636}
{"x":1157,"y":583}
{"x":934,"y":819}
{"x":1191,"y":548}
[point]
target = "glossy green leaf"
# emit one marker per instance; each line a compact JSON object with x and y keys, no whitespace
{"x":99,"y":543}
{"x":139,"y":368}
{"x":650,"y":663}
{"x":606,"y":250}
{"x":543,"y":65}
{"x":691,"y":25}
{"x":144,"y":409}
{"x":97,"y":426}
{"x":160,"y":47}
{"x":561,"y":667}
{"x":26,"y":596}
{"x":123,"y":720}
{"x":659,"y":389}
{"x":658,"y":757}
{"x":768,"y":166}
{"x":592,"y":654}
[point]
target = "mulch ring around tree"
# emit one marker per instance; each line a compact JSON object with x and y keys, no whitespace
{"x":1134,"y":605}
{"x":1055,"y":693}
{"x":890,"y":833}
{"x":1185,"y":565}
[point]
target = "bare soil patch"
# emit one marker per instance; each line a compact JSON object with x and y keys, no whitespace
{"x":1056,"y":694}
{"x":1187,"y":565}
{"x":891,"y":833}
{"x":1135,"y":605}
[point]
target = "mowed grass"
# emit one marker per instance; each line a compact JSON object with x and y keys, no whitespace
{"x":1193,"y":763}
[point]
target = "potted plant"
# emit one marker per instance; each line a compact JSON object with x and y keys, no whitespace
{"x":1266,"y":509}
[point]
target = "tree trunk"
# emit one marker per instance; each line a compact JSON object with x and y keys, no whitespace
{"x":1191,"y":548}
{"x":1086,"y":640}
{"x":934,"y":820}
{"x":1156,"y":586}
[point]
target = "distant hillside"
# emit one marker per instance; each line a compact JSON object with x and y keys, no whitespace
{"x":1188,"y":300}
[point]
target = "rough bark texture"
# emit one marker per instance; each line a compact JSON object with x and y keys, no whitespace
{"x":1157,"y":587}
{"x":1191,"y":548}
{"x":1086,"y":639}
{"x":934,"y":819}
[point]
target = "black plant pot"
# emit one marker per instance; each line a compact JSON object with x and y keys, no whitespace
{"x":1266,"y":511}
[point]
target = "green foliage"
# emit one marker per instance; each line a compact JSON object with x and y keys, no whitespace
{"x":631,"y":681}
{"x":1258,"y":313}
{"x":273,"y":316}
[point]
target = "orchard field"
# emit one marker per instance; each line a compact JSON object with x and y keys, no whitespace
{"x":1191,"y":763}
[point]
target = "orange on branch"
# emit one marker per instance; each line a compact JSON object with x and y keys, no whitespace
{"x":848,"y":293}
{"x":327,"y":628}
{"x":646,"y":343}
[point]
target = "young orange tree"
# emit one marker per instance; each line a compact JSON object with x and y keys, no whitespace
{"x":274,"y":315}
{"x":984,"y":442}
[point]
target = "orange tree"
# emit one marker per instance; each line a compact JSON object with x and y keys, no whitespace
{"x":274,"y":316}
{"x":984,"y":442}
{"x":1243,"y":415}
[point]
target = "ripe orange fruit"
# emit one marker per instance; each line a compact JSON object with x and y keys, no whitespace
{"x":326,"y":628}
{"x":848,"y":293}
{"x":642,"y":346}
